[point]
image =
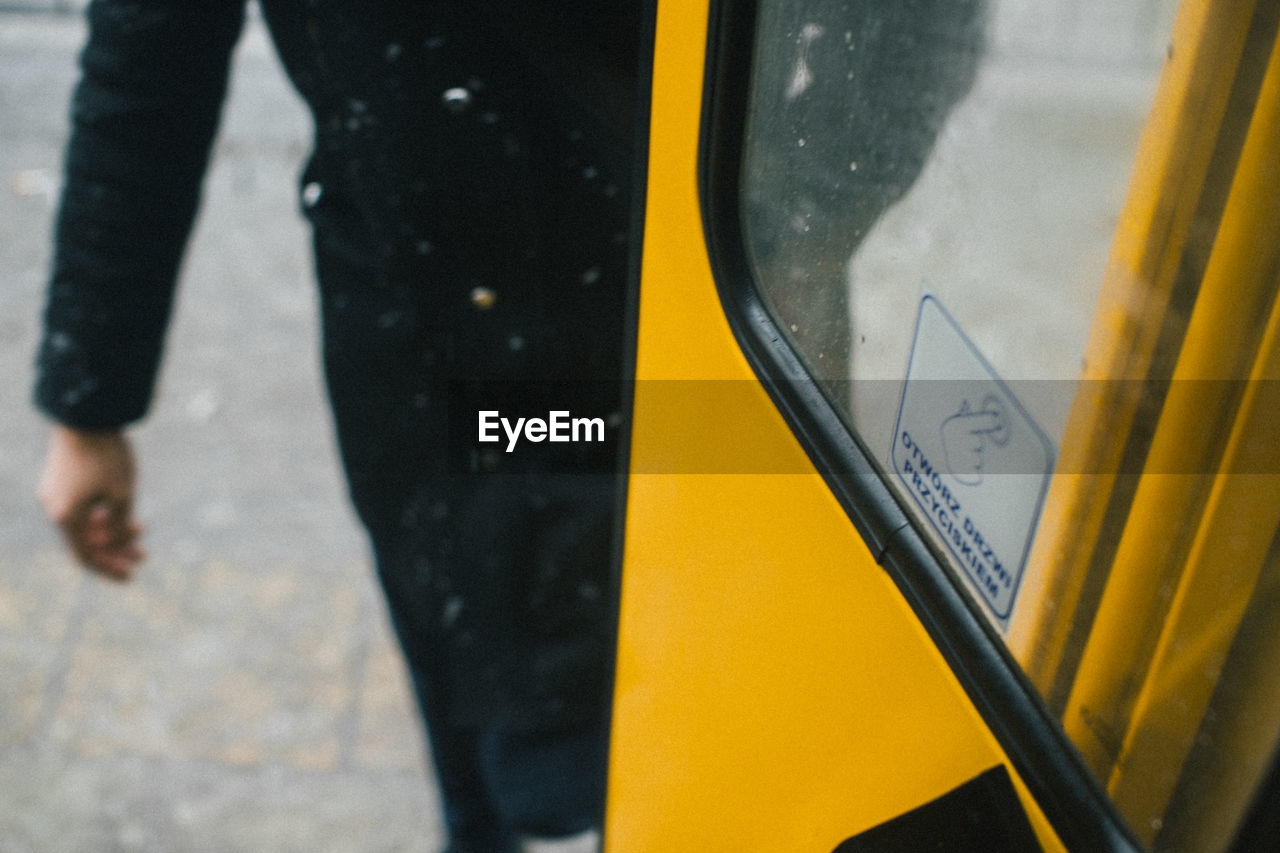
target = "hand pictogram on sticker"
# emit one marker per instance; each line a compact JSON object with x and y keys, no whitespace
{"x":968,"y":435}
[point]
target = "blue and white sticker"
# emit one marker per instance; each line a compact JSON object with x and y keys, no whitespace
{"x":971,"y":457}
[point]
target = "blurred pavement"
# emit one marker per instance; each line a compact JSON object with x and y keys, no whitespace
{"x":243,"y":692}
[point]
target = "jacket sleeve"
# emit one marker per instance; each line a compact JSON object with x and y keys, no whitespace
{"x":153,"y":78}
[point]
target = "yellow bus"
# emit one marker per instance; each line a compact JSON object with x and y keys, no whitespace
{"x":954,"y":473}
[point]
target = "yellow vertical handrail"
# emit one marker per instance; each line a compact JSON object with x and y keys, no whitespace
{"x":1221,"y":345}
{"x":1192,"y":629}
{"x":1148,"y":252}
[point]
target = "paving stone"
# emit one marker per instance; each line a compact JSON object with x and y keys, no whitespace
{"x":37,"y":602}
{"x":387,"y":736}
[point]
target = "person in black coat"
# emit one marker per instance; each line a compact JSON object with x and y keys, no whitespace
{"x":468,"y":191}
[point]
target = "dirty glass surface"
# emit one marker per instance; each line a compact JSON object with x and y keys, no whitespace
{"x":930,"y":189}
{"x":930,"y":193}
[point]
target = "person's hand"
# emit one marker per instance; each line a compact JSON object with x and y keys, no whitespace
{"x":87,"y":490}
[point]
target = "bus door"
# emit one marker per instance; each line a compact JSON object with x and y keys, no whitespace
{"x":955,"y":485}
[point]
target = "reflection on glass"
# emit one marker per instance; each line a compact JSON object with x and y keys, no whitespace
{"x":1080,"y":190}
{"x":975,"y":151}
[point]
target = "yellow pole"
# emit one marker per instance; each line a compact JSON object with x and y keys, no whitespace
{"x":1221,"y":344}
{"x":1151,"y":241}
{"x":1243,"y":509}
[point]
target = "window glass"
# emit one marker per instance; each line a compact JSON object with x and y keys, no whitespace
{"x":977,"y":151}
{"x":931,"y":188}
{"x":963,"y":216}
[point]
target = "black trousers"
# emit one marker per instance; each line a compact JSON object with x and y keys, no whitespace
{"x":497,"y":567}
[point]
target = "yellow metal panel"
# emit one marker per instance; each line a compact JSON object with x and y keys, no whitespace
{"x":774,"y":691}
